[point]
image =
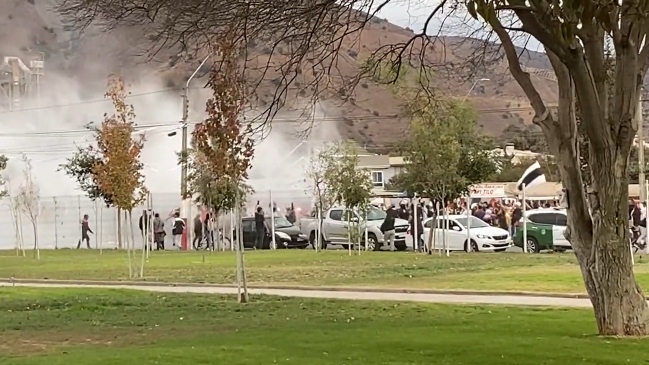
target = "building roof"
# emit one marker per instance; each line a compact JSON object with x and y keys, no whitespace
{"x":374,"y":162}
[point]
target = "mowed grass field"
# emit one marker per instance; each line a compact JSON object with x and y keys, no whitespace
{"x":489,"y":272}
{"x":101,"y":327}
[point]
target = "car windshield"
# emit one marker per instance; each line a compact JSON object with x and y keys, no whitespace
{"x":280,"y":222}
{"x":375,"y":214}
{"x":475,"y":222}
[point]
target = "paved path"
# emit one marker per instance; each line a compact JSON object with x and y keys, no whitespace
{"x":353,"y":295}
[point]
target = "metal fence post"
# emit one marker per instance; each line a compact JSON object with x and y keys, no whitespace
{"x":96,"y":224}
{"x":100,"y":229}
{"x":80,"y":233}
{"x":56,"y":225}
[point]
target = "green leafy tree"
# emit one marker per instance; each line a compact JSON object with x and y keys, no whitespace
{"x":82,"y":168}
{"x":347,"y":184}
{"x":119,"y":172}
{"x":320,"y":171}
{"x":578,"y":37}
{"x":223,"y":147}
{"x":444,"y":154}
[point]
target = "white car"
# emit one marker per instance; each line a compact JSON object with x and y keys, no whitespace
{"x":483,"y":236}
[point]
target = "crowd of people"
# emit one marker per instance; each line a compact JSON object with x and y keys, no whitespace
{"x":502,"y":213}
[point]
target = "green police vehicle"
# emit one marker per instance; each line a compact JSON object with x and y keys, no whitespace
{"x":545,"y":229}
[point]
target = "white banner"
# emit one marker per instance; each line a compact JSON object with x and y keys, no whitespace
{"x":488,"y":191}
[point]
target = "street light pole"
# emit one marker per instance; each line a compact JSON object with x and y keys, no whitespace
{"x":186,"y":199}
{"x":471,"y":89}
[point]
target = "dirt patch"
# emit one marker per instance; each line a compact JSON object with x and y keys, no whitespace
{"x":15,"y":343}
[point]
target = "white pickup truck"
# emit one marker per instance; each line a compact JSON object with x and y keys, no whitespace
{"x":335,"y":228}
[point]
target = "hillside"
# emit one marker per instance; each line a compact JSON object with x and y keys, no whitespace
{"x":370,"y":117}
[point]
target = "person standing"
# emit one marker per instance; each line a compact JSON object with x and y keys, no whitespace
{"x":208,"y":225}
{"x":85,"y":229}
{"x":159,"y":232}
{"x":260,"y":228}
{"x":198,"y":232}
{"x":387,"y":227}
{"x":177,"y":232}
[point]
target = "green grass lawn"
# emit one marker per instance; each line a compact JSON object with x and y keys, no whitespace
{"x":102,"y":327}
{"x":498,"y":271}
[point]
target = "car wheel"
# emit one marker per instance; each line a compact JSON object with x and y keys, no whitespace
{"x":401,"y":248}
{"x":472,"y":247}
{"x":532,"y":245}
{"x":372,"y":243}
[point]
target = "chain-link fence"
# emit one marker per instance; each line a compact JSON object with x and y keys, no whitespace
{"x":59,"y":221}
{"x":59,"y":218}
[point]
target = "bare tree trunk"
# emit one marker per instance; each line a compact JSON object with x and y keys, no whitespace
{"x":145,"y":245}
{"x":244,"y":277}
{"x":20,"y":232}
{"x":119,"y":229}
{"x":132,"y":237}
{"x":242,"y":289}
{"x":128,"y":245}
{"x":37,"y":250}
{"x":14,"y":220}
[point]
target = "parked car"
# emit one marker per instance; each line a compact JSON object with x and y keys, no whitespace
{"x":545,"y":229}
{"x":286,"y":234}
{"x":483,"y":237}
{"x":335,"y":228}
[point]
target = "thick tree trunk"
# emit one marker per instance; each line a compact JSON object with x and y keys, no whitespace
{"x":618,"y":301}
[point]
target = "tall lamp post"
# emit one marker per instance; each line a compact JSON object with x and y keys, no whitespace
{"x":185,"y":207}
{"x":476,"y":82}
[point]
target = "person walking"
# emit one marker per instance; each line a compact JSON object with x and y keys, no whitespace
{"x":85,"y":229}
{"x":198,"y":232}
{"x":177,"y":232}
{"x":159,"y":232}
{"x":260,"y":228}
{"x":387,"y":228}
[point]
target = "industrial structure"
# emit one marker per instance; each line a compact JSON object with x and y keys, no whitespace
{"x":19,"y":82}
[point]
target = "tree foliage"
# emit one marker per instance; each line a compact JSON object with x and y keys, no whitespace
{"x":348,"y":184}
{"x":526,"y":137}
{"x":575,"y":35}
{"x":320,"y":170}
{"x":118,"y":170}
{"x":222,"y":146}
{"x":82,"y":168}
{"x":443,"y":152}
{"x":578,"y":38}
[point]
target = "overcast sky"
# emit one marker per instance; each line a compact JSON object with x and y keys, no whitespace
{"x":413,"y":14}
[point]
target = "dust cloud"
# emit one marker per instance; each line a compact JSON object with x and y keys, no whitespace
{"x":77,"y":66}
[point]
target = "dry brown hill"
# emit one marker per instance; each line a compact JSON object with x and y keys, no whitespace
{"x":371,"y":116}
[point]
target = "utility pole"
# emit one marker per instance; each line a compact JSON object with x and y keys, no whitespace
{"x":184,"y":193}
{"x":641,"y":165}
